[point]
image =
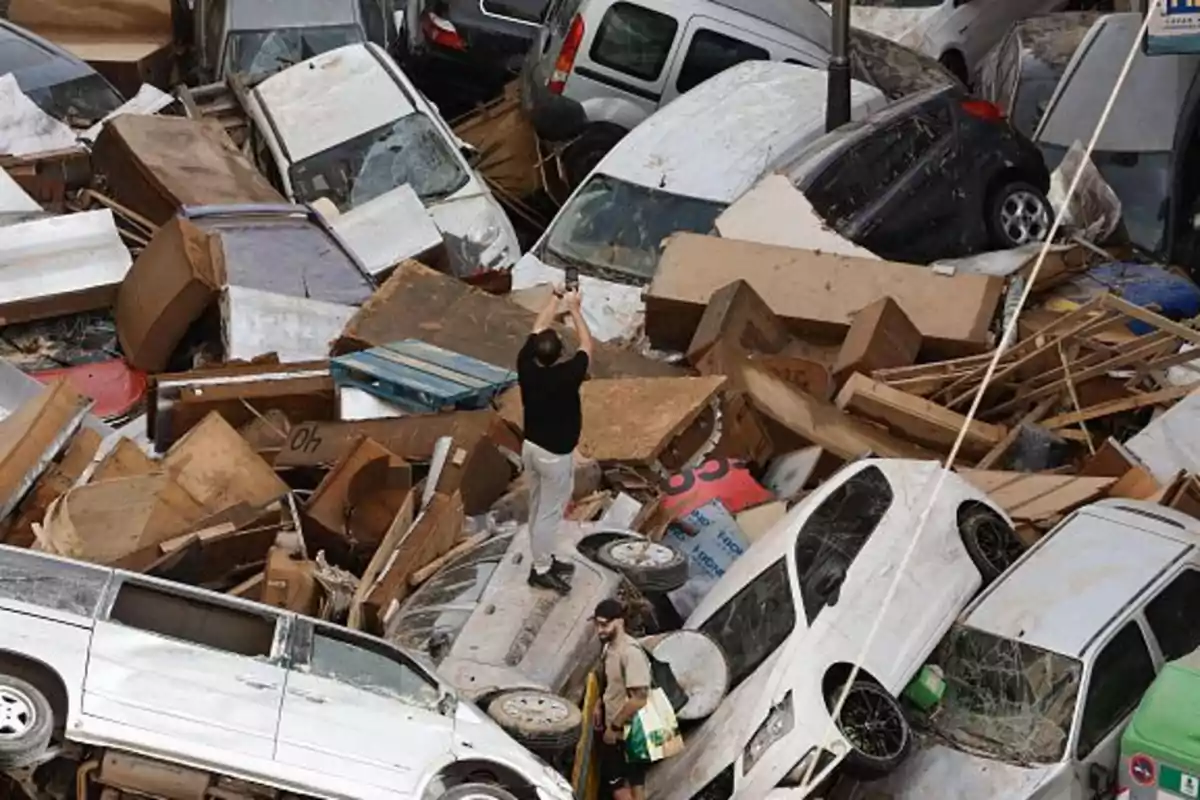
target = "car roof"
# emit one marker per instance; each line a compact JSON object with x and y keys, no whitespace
{"x":34,"y":61}
{"x":804,"y":18}
{"x":266,"y":14}
{"x":332,"y":97}
{"x":1070,"y":586}
{"x":736,"y":125}
{"x":1054,"y":38}
{"x":1155,"y":89}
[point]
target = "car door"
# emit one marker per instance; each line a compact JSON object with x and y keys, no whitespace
{"x":201,"y":668}
{"x":710,"y":47}
{"x":1122,"y":671}
{"x":626,"y":61}
{"x":357,"y":708}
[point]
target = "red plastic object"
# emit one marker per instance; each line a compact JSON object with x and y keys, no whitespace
{"x":566,"y":57}
{"x":116,"y":387}
{"x":982,"y":109}
{"x":716,"y":479}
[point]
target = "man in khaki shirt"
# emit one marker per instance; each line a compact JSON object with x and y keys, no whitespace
{"x":626,"y":685}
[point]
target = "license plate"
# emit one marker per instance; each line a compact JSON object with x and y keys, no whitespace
{"x":1176,"y":783}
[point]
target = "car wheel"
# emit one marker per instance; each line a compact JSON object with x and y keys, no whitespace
{"x":873,"y":722}
{"x":538,"y":720}
{"x":26,"y":723}
{"x":991,"y":542}
{"x":477,"y":791}
{"x":1018,"y":214}
{"x":650,"y":566}
{"x":957,"y":65}
{"x":582,"y":155}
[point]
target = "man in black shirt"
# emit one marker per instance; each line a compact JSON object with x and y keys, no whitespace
{"x":553,"y":420}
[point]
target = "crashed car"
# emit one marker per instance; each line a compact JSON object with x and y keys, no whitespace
{"x":676,"y":172}
{"x":256,"y":37}
{"x":56,"y":81}
{"x":100,"y":658}
{"x":1045,"y":668}
{"x":347,"y":128}
{"x":1020,"y":74}
{"x":518,"y":650}
{"x":939,"y":174}
{"x":792,"y":615}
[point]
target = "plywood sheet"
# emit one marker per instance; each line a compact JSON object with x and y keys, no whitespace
{"x":1033,"y":496}
{"x":631,"y":419}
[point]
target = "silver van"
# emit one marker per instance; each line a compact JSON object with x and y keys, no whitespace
{"x":600,"y":67}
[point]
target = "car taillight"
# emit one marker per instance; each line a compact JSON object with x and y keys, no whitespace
{"x":982,"y":109}
{"x":566,"y":57}
{"x":441,"y":32}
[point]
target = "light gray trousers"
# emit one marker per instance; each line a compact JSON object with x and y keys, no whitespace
{"x":551,"y":481}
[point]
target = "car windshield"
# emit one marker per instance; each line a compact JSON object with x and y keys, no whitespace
{"x":410,"y":150}
{"x":81,"y":102}
{"x":1004,"y":698}
{"x":615,"y":230}
{"x":1032,"y":98}
{"x":262,"y":52}
{"x":435,"y":615}
{"x":1142,"y":181}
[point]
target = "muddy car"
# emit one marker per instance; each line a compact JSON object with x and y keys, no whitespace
{"x":1044,"y":670}
{"x":92,"y":657}
{"x":793,"y":613}
{"x":521,"y":651}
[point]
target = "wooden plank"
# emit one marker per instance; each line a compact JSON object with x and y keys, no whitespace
{"x":1010,"y":438}
{"x":431,"y":535}
{"x":1150,"y":318}
{"x":918,"y":420}
{"x":823,"y":423}
{"x":1118,"y":406}
{"x":399,"y":527}
{"x":631,"y":419}
{"x":1031,"y":497}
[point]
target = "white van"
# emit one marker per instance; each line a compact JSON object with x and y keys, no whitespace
{"x":677,"y":172}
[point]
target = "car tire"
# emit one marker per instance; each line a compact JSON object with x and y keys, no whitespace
{"x":954,"y":62}
{"x":888,"y":748}
{"x":26,"y":723}
{"x":652,"y":567}
{"x":582,"y":155}
{"x":991,"y":542}
{"x":1018,"y":213}
{"x":538,"y":720}
{"x":477,"y":791}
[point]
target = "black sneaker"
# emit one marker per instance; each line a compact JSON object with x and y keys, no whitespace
{"x":563,"y":568}
{"x":549,"y":580}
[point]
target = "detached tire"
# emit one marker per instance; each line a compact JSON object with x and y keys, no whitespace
{"x":991,"y":542}
{"x":652,"y":567}
{"x":538,"y":720}
{"x":873,"y":722}
{"x":476,"y":791}
{"x":1018,"y":214}
{"x":26,"y":723}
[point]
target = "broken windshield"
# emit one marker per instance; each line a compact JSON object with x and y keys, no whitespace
{"x":1004,"y":698}
{"x":614,"y":230}
{"x":410,"y":150}
{"x":263,"y":52}
{"x":81,"y":101}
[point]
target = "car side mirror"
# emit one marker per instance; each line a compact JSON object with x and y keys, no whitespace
{"x":447,"y":703}
{"x":1099,"y":779}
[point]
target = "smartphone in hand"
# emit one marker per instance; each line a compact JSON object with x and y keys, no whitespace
{"x":572,"y":282}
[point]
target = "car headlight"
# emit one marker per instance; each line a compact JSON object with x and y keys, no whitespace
{"x":778,"y":724}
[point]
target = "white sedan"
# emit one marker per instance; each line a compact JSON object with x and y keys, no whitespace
{"x":793,"y":614}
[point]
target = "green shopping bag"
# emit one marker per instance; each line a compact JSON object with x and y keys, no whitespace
{"x":653,"y":734}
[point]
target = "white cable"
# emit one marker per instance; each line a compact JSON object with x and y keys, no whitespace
{"x":1009,"y":331}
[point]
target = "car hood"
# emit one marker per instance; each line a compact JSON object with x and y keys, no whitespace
{"x":611,"y":310}
{"x":937,"y":771}
{"x":903,"y":25}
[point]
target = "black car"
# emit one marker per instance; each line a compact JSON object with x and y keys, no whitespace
{"x":939,"y":174}
{"x":486,"y":38}
{"x":56,"y":81}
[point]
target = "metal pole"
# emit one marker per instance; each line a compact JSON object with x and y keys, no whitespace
{"x":837,"y":104}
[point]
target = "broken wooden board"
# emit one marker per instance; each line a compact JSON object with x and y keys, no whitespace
{"x":360,"y":617}
{"x":822,"y":423}
{"x":1030,"y":497}
{"x":219,"y":469}
{"x":737,"y":317}
{"x":881,"y":336}
{"x":630,"y":419}
{"x":915,"y":419}
{"x":125,"y":460}
{"x":57,"y":480}
{"x":359,"y":497}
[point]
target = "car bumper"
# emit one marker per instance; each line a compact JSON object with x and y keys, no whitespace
{"x":555,"y":118}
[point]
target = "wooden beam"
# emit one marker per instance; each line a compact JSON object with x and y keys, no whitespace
{"x":1005,"y":444}
{"x":1118,"y":406}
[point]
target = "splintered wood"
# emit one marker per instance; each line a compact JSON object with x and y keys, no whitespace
{"x":1078,"y":369}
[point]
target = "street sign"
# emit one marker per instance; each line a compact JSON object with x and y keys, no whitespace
{"x":1174,"y":27}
